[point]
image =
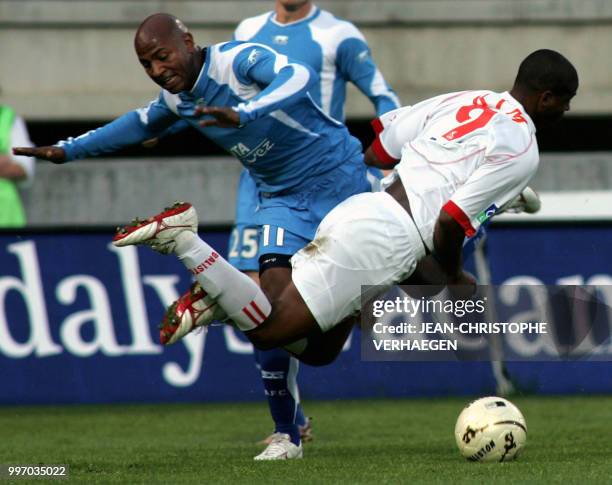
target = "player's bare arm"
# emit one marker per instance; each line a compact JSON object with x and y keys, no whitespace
{"x":448,"y":246}
{"x":372,"y":160}
{"x":50,"y":153}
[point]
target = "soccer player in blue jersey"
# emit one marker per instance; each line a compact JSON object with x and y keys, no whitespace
{"x":338,"y":52}
{"x":256,"y":104}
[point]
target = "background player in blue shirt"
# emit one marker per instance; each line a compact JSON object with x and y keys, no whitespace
{"x":338,"y":52}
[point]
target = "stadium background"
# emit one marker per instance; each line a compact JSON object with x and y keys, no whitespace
{"x":65,"y":324}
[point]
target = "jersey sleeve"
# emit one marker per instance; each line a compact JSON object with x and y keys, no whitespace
{"x":237,"y":35}
{"x":248,"y":28}
{"x":499,"y":180}
{"x":387,"y":144}
{"x":283,"y":82}
{"x":129,"y":129}
{"x":355,"y":63}
{"x":176,"y":127}
{"x":394,"y":129}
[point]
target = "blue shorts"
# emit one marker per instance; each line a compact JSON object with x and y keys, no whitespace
{"x":285,"y":223}
{"x":243,"y":251}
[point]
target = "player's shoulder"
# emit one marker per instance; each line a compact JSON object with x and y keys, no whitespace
{"x":250,"y":26}
{"x":342,"y":29}
{"x":237,"y":47}
{"x":513,"y":131}
{"x":511,"y":113}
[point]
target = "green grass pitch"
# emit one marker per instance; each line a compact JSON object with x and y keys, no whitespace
{"x":374,"y":441}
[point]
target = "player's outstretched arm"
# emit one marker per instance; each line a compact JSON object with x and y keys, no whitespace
{"x":51,"y":153}
{"x":354,"y":61}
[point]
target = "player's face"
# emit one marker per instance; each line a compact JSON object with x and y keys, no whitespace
{"x":551,"y":107}
{"x":292,"y":5}
{"x":169,"y":62}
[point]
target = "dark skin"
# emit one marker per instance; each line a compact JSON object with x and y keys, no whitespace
{"x":169,"y":56}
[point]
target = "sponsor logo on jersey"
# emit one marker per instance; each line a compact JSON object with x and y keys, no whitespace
{"x":240,"y":150}
{"x":280,"y":39}
{"x":248,"y":155}
{"x":486,"y":214}
{"x":253,"y":56}
{"x":363,"y":56}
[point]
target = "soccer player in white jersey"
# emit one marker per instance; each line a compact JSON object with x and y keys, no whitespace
{"x":338,"y":52}
{"x":471,"y":153}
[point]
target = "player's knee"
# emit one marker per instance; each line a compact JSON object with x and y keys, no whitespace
{"x":263,"y":340}
{"x":316,"y":359}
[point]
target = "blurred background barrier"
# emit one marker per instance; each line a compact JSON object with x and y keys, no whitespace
{"x":78,"y":324}
{"x":72,"y":60}
{"x":113,"y":191}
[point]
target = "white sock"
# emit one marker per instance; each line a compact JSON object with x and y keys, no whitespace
{"x":237,"y":294}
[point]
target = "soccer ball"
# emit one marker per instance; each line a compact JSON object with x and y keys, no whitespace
{"x":490,"y":429}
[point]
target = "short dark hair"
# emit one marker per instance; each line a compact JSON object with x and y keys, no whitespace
{"x":547,"y":70}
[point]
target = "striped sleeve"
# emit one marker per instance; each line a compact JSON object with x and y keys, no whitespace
{"x":355,"y":62}
{"x":129,"y":129}
{"x":284,"y":82}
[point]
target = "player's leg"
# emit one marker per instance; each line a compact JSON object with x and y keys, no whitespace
{"x":368,"y":240}
{"x":278,"y":369}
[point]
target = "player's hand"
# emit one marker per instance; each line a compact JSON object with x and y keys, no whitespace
{"x":150,"y":143}
{"x":53,"y":154}
{"x":462,"y":286}
{"x":223,"y":116}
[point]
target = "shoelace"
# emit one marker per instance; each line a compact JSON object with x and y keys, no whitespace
{"x":276,"y":446}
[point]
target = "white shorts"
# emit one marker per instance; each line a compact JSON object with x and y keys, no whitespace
{"x":369,"y":239}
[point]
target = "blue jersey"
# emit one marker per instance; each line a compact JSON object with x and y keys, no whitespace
{"x":334,"y":48}
{"x":338,"y":52}
{"x":285,"y":140}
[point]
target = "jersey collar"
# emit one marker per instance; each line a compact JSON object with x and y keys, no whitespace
{"x":206,"y":54}
{"x":314,"y":11}
{"x":514,"y":101}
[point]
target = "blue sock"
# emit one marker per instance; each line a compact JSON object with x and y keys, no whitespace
{"x":300,"y":419}
{"x":279,"y":376}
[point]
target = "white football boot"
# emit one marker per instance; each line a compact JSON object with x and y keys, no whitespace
{"x":528,"y":201}
{"x":196,"y":308}
{"x":306,"y":434}
{"x":159,"y":232}
{"x":280,"y":448}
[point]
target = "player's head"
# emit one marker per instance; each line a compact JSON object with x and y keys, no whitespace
{"x":292,"y":5}
{"x":545,"y":84}
{"x":166,"y":50}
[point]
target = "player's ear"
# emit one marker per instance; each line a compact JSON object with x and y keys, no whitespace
{"x":188,"y":40}
{"x":545,"y":100}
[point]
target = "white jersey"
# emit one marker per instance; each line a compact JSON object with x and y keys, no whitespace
{"x":467,"y":153}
